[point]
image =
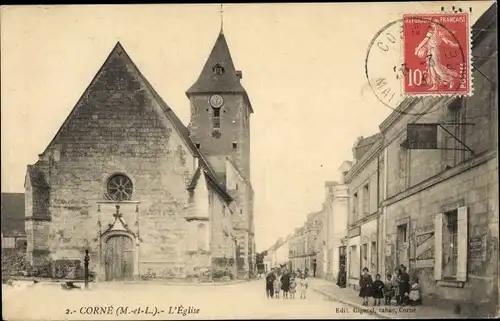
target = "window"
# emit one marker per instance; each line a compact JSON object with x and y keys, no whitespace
{"x":453,"y":154}
{"x":235,"y":145}
{"x":236,"y":186}
{"x":353,"y":262}
{"x":402,"y":234}
{"x":241,"y":211}
{"x":403,"y":166}
{"x":364,"y":252}
{"x":366,"y":199}
{"x":373,"y":255}
{"x":119,"y":188}
{"x":450,"y":243}
{"x":216,"y":118}
{"x":218,"y":70}
{"x":197,"y":145}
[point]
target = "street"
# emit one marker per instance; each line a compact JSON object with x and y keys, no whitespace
{"x":150,"y":301}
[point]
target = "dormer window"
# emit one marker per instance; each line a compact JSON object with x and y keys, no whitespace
{"x":218,"y":69}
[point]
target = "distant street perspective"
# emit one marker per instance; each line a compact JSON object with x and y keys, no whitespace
{"x":246,"y":300}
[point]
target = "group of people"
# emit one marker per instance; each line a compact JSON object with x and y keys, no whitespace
{"x":288,"y":282}
{"x":400,"y":287}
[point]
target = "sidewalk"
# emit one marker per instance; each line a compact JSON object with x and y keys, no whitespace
{"x":29,"y":282}
{"x":350,"y":297}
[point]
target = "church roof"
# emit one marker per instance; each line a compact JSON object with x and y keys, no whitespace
{"x":243,"y":177}
{"x":211,"y":82}
{"x":12,"y":214}
{"x":210,"y":181}
{"x":37,"y":177}
{"x":182,"y":130}
{"x":179,"y":126}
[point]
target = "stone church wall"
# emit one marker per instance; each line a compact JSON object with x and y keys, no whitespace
{"x":118,"y":128}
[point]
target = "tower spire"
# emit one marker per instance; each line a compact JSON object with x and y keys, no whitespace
{"x":221,"y":18}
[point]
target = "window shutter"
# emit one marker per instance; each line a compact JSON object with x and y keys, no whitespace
{"x":438,"y":246}
{"x":463,"y":238}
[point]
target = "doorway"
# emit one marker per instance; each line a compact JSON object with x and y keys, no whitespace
{"x":342,"y":277}
{"x":402,"y":245}
{"x":119,"y":258}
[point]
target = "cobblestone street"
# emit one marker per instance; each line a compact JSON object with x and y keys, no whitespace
{"x":243,"y":300}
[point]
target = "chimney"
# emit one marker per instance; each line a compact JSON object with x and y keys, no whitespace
{"x":239,"y":74}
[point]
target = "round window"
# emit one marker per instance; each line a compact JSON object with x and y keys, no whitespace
{"x":119,"y":188}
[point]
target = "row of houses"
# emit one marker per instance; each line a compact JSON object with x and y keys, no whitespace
{"x":422,"y":192}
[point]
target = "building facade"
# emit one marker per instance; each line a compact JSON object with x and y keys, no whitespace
{"x":297,"y":251}
{"x":147,"y":196}
{"x":313,"y":226}
{"x":337,"y":211}
{"x":364,"y":181}
{"x":441,"y":205}
{"x":278,"y":254}
{"x":321,"y":248}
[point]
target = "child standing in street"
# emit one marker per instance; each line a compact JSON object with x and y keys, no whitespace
{"x":388,"y":290}
{"x":365,"y":285}
{"x":395,"y":283}
{"x":277,"y":287}
{"x":303,"y":286}
{"x":415,"y":292}
{"x":293,"y":285}
{"x":377,"y":290}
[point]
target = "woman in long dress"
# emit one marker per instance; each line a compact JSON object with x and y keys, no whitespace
{"x":285,"y":284}
{"x":429,"y":48}
{"x":365,"y":286}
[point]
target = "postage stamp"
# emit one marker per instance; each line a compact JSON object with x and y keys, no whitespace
{"x":436,"y":54}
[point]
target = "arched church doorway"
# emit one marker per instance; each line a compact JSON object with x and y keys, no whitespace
{"x":119,"y":258}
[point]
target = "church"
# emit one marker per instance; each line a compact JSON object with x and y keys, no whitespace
{"x":147,"y":196}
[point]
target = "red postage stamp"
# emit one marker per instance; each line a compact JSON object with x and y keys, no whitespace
{"x":436,"y":53}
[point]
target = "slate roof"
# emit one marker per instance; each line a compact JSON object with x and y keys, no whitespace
{"x":183,"y":131}
{"x":37,"y":177}
{"x":211,"y":181}
{"x":247,"y":182}
{"x":179,"y":126}
{"x":209,"y":82}
{"x":12,"y":218}
{"x":364,"y":145}
{"x":370,"y":140}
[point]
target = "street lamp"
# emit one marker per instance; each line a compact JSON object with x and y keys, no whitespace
{"x":86,"y":268}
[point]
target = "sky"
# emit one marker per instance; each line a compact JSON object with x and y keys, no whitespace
{"x":303,"y":68}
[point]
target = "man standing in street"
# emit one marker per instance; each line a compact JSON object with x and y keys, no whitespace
{"x":270,"y":277}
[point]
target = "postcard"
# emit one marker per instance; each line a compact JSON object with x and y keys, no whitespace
{"x":250,"y":161}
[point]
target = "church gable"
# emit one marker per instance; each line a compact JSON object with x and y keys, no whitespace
{"x":120,"y":114}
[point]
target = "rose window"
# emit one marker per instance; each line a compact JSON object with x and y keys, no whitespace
{"x":120,"y":188}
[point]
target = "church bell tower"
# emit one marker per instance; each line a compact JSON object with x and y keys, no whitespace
{"x":220,"y":112}
{"x":220,"y":129}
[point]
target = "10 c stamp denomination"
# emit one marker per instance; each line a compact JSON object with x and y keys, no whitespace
{"x":436,"y":51}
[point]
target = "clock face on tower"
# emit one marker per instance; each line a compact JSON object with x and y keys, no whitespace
{"x":216,"y":101}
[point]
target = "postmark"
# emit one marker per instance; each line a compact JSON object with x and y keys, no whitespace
{"x":393,"y":70}
{"x":436,"y":54}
